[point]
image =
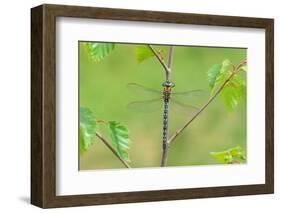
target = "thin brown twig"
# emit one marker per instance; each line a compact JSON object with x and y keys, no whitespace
{"x":171,"y":57}
{"x":107,"y":144}
{"x":179,"y":131}
{"x":170,"y":63}
{"x":102,"y":121}
{"x":166,"y":146}
{"x":162,"y":62}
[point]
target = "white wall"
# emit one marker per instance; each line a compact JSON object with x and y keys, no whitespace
{"x":15,"y":98}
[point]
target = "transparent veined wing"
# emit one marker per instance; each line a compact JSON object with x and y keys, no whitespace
{"x":181,"y":109}
{"x":180,"y":101}
{"x":190,"y":94}
{"x":149,"y":106}
{"x":188,"y":97}
{"x":145,"y":106}
{"x":144,"y":91}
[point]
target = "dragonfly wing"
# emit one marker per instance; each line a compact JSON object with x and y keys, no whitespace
{"x":142,"y":90}
{"x":145,"y":106}
{"x":189,"y":96}
{"x":182,"y":109}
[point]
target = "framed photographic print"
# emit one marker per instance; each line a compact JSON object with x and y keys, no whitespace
{"x":136,"y":106}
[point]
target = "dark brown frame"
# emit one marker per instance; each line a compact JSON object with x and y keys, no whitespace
{"x":43,"y":105}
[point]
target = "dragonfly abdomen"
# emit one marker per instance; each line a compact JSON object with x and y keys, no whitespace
{"x":166,"y":99}
{"x":165,"y":120}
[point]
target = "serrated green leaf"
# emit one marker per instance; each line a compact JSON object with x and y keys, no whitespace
{"x":244,"y":68}
{"x":99,"y":51}
{"x":216,"y":72}
{"x":120,"y":139}
{"x":222,"y":157}
{"x":230,"y":96}
{"x":143,"y":52}
{"x":235,"y":151}
{"x":243,"y":94}
{"x":234,"y":91}
{"x":212,"y":73}
{"x":232,"y":155}
{"x":225,"y":64}
{"x":87,"y":129}
{"x":221,"y":78}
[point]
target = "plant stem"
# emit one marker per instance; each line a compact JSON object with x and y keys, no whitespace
{"x":179,"y":131}
{"x":165,"y":152}
{"x":107,"y":144}
{"x":170,"y":62}
{"x":165,"y":139}
{"x":162,"y":62}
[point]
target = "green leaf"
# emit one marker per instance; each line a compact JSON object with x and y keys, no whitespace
{"x":99,"y":51}
{"x":221,"y":157}
{"x":217,"y":71}
{"x":87,"y":129}
{"x":143,"y":52}
{"x":120,"y":139}
{"x":234,"y":91}
{"x":230,"y":96}
{"x":244,"y":68}
{"x":225,"y":65}
{"x":213,"y":73}
{"x":230,"y":156}
{"x":243,"y":93}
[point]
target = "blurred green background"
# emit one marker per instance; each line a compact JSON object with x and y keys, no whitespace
{"x":103,"y":89}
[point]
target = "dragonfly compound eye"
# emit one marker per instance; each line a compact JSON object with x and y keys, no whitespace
{"x":168,"y":84}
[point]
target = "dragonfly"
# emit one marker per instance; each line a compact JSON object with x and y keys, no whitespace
{"x":166,"y":96}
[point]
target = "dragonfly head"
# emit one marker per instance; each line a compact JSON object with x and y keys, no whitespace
{"x":168,"y":84}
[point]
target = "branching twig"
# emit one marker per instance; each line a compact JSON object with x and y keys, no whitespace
{"x":171,"y":56}
{"x":168,"y":70}
{"x":179,"y":131}
{"x":112,"y":150}
{"x":165,"y":139}
{"x":162,"y":62}
{"x":170,"y":63}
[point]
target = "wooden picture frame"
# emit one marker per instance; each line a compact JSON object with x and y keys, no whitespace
{"x":43,"y":105}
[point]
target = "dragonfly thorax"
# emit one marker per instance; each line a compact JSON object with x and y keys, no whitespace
{"x":179,"y":100}
{"x":167,"y":90}
{"x":168,"y":84}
